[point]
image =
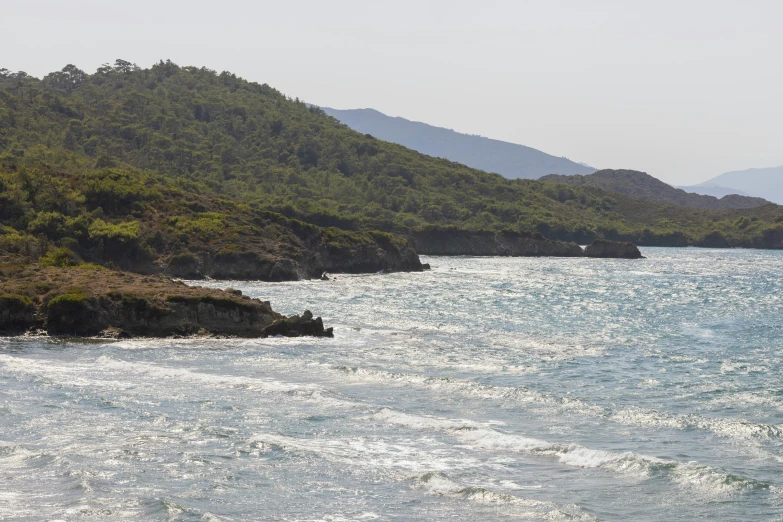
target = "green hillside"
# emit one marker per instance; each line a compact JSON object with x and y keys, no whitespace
{"x":184,"y":133}
{"x":642,"y":185}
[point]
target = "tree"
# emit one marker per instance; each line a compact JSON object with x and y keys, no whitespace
{"x":65,"y":80}
{"x":124,"y":67}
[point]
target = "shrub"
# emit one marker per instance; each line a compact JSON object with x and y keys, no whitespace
{"x":15,"y":302}
{"x":122,"y":232}
{"x":59,"y":257}
{"x":67,"y":301}
{"x":116,"y":190}
{"x":183,"y":259}
{"x":51,"y":224}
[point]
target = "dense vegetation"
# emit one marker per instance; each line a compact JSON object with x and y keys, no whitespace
{"x":164,"y":162}
{"x":642,"y":185}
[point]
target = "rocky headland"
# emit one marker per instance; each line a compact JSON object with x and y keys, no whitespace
{"x":612,"y":249}
{"x":469,"y":243}
{"x":87,"y":302}
{"x":457,"y":242}
{"x":299,"y":251}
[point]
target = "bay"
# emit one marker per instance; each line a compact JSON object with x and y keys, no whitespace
{"x":484,"y":389}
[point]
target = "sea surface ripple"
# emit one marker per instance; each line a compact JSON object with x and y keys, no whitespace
{"x":484,"y":389}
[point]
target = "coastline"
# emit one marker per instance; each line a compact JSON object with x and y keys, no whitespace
{"x":93,"y":301}
{"x":90,"y":302}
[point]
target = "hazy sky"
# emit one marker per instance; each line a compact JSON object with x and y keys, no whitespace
{"x":684,"y":90}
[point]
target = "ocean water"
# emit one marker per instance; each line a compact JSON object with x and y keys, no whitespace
{"x":485,"y":389}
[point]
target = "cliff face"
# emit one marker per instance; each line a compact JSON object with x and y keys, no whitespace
{"x":465,"y":243}
{"x":17,"y":313}
{"x":86,"y":316}
{"x":315,"y":251}
{"x":613,"y":249}
{"x":87,"y":302}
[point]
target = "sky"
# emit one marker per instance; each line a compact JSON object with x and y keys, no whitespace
{"x":684,"y":90}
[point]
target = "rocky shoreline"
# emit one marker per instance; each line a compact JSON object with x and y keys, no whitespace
{"x":91,"y":301}
{"x":469,"y":243}
{"x":316,"y":251}
{"x":613,"y":249}
{"x":88,"y":302}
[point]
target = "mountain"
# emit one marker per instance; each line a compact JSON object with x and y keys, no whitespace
{"x":507,"y":159}
{"x":766,"y":183}
{"x":185,"y":170}
{"x":712,"y":190}
{"x":642,"y":185}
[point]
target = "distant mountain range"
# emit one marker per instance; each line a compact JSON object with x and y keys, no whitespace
{"x":507,"y":159}
{"x":644,"y":186}
{"x":713,"y":190}
{"x":766,"y":183}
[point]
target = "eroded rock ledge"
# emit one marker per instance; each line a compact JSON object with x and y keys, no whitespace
{"x":456,"y":242}
{"x":613,"y":249}
{"x":91,"y":302}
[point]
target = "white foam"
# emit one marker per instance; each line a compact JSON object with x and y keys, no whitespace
{"x":93,"y":373}
{"x":729,"y":428}
{"x":726,"y":427}
{"x":439,"y":484}
{"x":400,"y":456}
{"x":481,"y":436}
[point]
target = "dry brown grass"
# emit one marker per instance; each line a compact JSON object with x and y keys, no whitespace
{"x":41,"y":284}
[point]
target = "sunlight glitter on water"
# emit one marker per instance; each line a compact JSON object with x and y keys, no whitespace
{"x":487,"y":388}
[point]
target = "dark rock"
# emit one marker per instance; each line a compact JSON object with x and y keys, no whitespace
{"x":284,"y":270}
{"x":74,"y":314}
{"x":17,"y":314}
{"x":296,"y":326}
{"x":114,"y":333}
{"x":714,"y":240}
{"x":124,"y":316}
{"x":251,"y":266}
{"x":457,"y":242}
{"x":612,"y":249}
{"x":313,"y":251}
{"x":324,"y":277}
{"x":425,"y":266}
{"x":186,"y":266}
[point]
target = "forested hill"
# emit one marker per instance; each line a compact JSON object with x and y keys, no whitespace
{"x":642,"y":185}
{"x":508,"y":159}
{"x":228,"y":143}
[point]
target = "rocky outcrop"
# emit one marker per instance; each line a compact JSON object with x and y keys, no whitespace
{"x":318,"y":250}
{"x":455,"y":242}
{"x":80,"y":302}
{"x":362,"y":252}
{"x":180,"y":315}
{"x":17,"y":313}
{"x":295,"y":326}
{"x":612,"y":249}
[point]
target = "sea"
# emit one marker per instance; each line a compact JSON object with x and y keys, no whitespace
{"x":484,"y":389}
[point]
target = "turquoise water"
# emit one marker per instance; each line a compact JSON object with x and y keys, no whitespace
{"x":485,"y":389}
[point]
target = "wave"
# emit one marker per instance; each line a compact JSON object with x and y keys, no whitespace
{"x":92,"y":373}
{"x":403,"y":459}
{"x":399,"y":457}
{"x":441,"y":485}
{"x":725,"y":427}
{"x":689,"y":475}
